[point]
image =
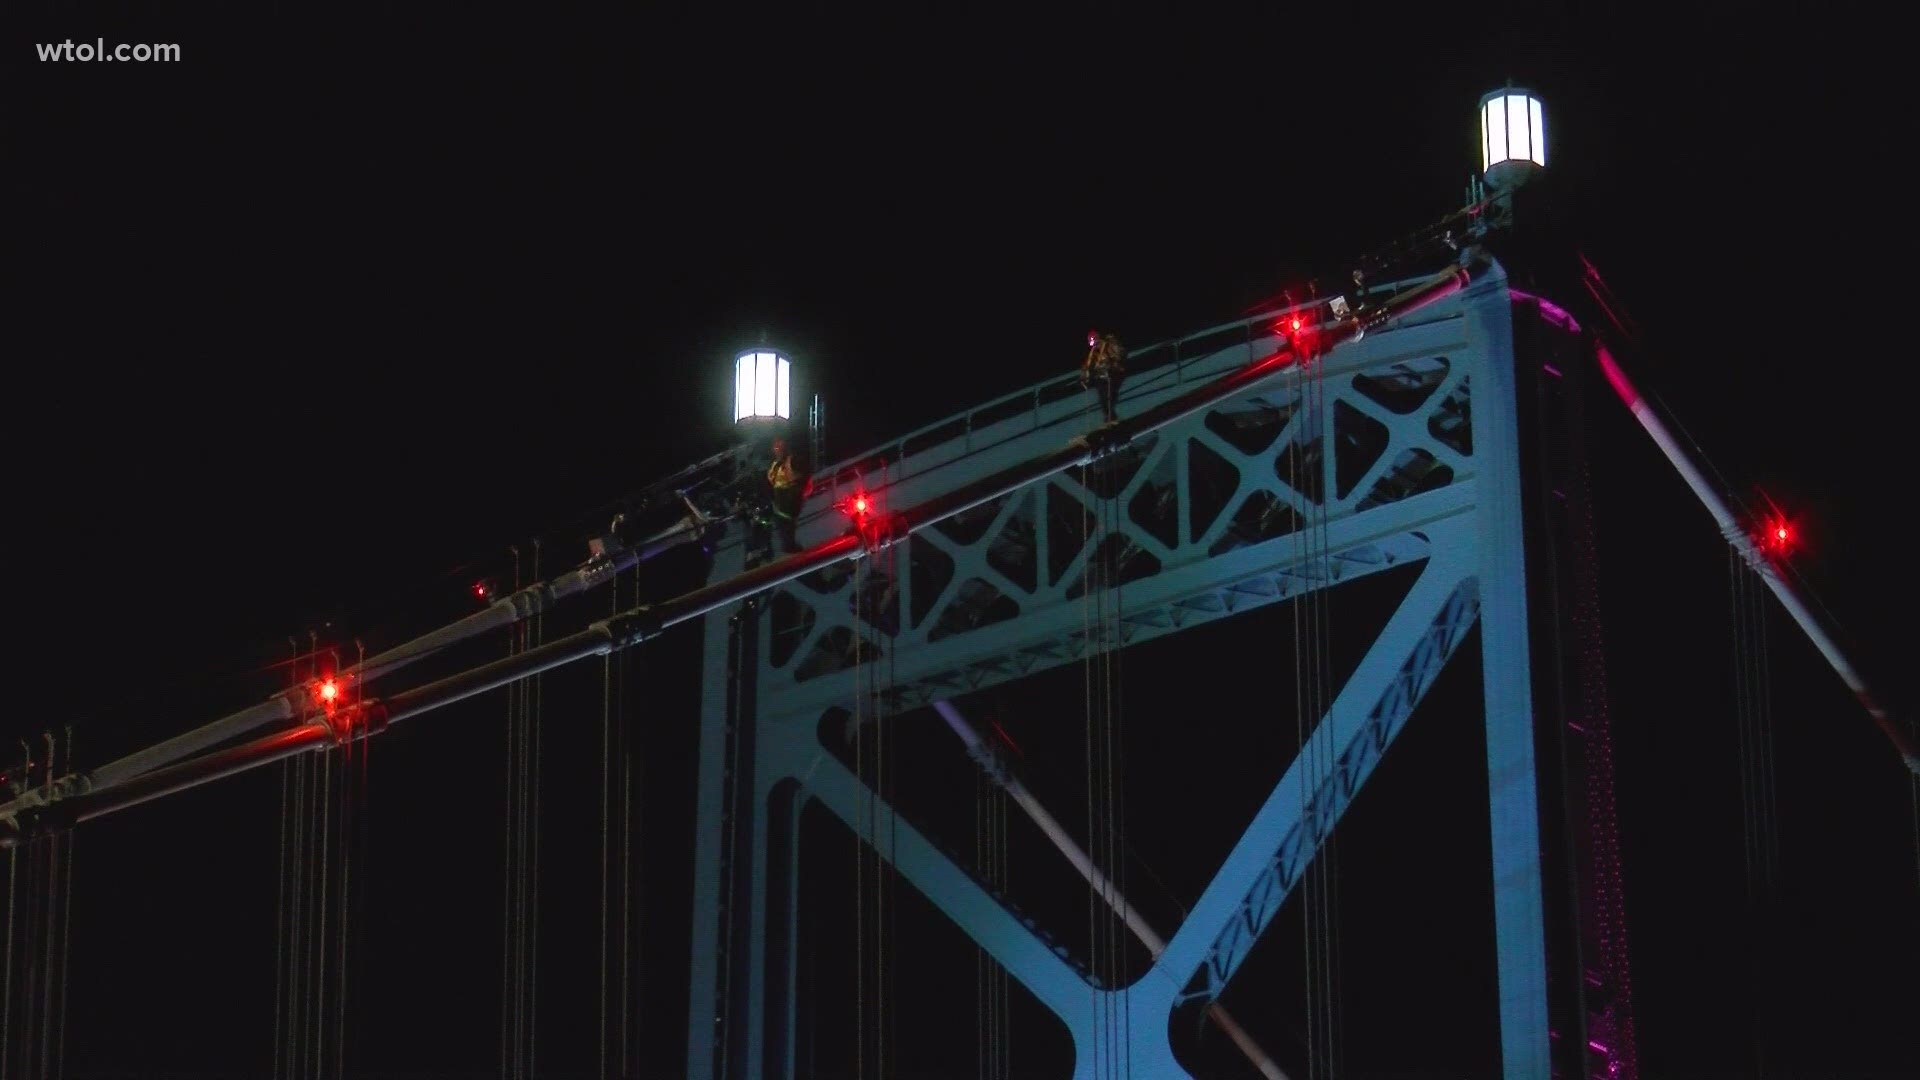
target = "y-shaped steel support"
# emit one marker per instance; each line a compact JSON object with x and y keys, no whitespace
{"x":996,"y":768}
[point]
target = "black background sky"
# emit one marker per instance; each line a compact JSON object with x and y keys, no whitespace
{"x":312,"y":324}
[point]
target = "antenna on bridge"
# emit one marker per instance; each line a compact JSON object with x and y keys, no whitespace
{"x":816,"y":435}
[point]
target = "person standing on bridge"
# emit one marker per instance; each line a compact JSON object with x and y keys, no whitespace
{"x":789,"y":488}
{"x":1104,"y":368}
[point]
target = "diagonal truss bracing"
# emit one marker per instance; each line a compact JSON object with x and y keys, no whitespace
{"x":992,"y":595}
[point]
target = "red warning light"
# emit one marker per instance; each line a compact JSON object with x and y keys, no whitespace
{"x":480,"y":590}
{"x":329,"y":690}
{"x":1295,"y":323}
{"x":1776,"y":536}
{"x":859,"y":506}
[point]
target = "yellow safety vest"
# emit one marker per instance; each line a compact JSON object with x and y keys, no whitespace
{"x":781,"y":474}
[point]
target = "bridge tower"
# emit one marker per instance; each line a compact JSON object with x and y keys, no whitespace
{"x":1439,"y":442}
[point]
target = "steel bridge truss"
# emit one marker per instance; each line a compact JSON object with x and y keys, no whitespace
{"x":1389,"y":449}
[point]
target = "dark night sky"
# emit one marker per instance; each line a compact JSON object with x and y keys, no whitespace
{"x":318,"y":321}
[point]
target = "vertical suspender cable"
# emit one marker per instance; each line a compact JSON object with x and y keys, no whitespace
{"x":891,"y":596}
{"x":1312,"y":715}
{"x":1003,"y":1016}
{"x":1323,"y":673}
{"x":509,"y":1026}
{"x":6,"y":998}
{"x":606,"y":763}
{"x":1112,"y":550}
{"x":1302,"y":417}
{"x":280,"y":928}
{"x":860,"y":838}
{"x":352,"y":810}
{"x":628,"y":830}
{"x":296,"y":923}
{"x":66,"y":938}
{"x":1316,"y":645}
{"x":537,"y":690}
{"x":6,"y":994}
{"x":322,"y":807}
{"x":882,"y":1015}
{"x":1769,"y":809}
{"x":980,"y":953}
{"x":1093,"y":846}
{"x":1743,"y":722}
{"x":1120,"y":804}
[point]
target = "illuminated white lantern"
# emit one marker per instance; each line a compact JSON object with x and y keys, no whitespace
{"x":761,"y":386}
{"x":1513,"y":137}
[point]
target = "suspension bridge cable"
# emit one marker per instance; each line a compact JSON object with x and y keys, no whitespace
{"x":321,"y":774}
{"x":1114,"y":543}
{"x":1913,"y":787}
{"x":280,"y":926}
{"x":324,"y":813}
{"x":862,"y":834}
{"x":66,"y":944}
{"x":296,"y":921}
{"x":606,"y":802}
{"x":290,"y":772}
{"x":509,"y":1026}
{"x":1301,"y":415}
{"x":538,"y":690}
{"x":1314,"y":899}
{"x":6,"y":996}
{"x":894,"y":618}
{"x":882,"y":1015}
{"x":49,"y":932}
{"x":1622,"y":323}
{"x":1754,"y":710}
{"x":1744,"y":695}
{"x":58,"y":997}
{"x":1003,"y":1021}
{"x":981,"y":1028}
{"x":982,"y":1037}
{"x":1320,"y":750}
{"x":1312,"y":717}
{"x":30,"y":894}
{"x":729,"y":844}
{"x":352,"y":809}
{"x":629,"y":735}
{"x":1334,"y":1012}
{"x":1116,"y":796}
{"x":1093,"y":848}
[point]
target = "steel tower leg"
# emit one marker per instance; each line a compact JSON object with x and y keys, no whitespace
{"x":1513,"y":803}
{"x":765,"y":1017}
{"x":710,"y":822}
{"x":789,"y":801}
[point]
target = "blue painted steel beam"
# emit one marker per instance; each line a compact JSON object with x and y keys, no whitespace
{"x":1014,"y":946}
{"x":1519,"y":917}
{"x":1370,"y":710}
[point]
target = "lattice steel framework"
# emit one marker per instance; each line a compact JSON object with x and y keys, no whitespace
{"x":1410,"y":454}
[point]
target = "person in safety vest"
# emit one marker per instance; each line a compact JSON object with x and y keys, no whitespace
{"x":789,"y":488}
{"x":1104,"y":369}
